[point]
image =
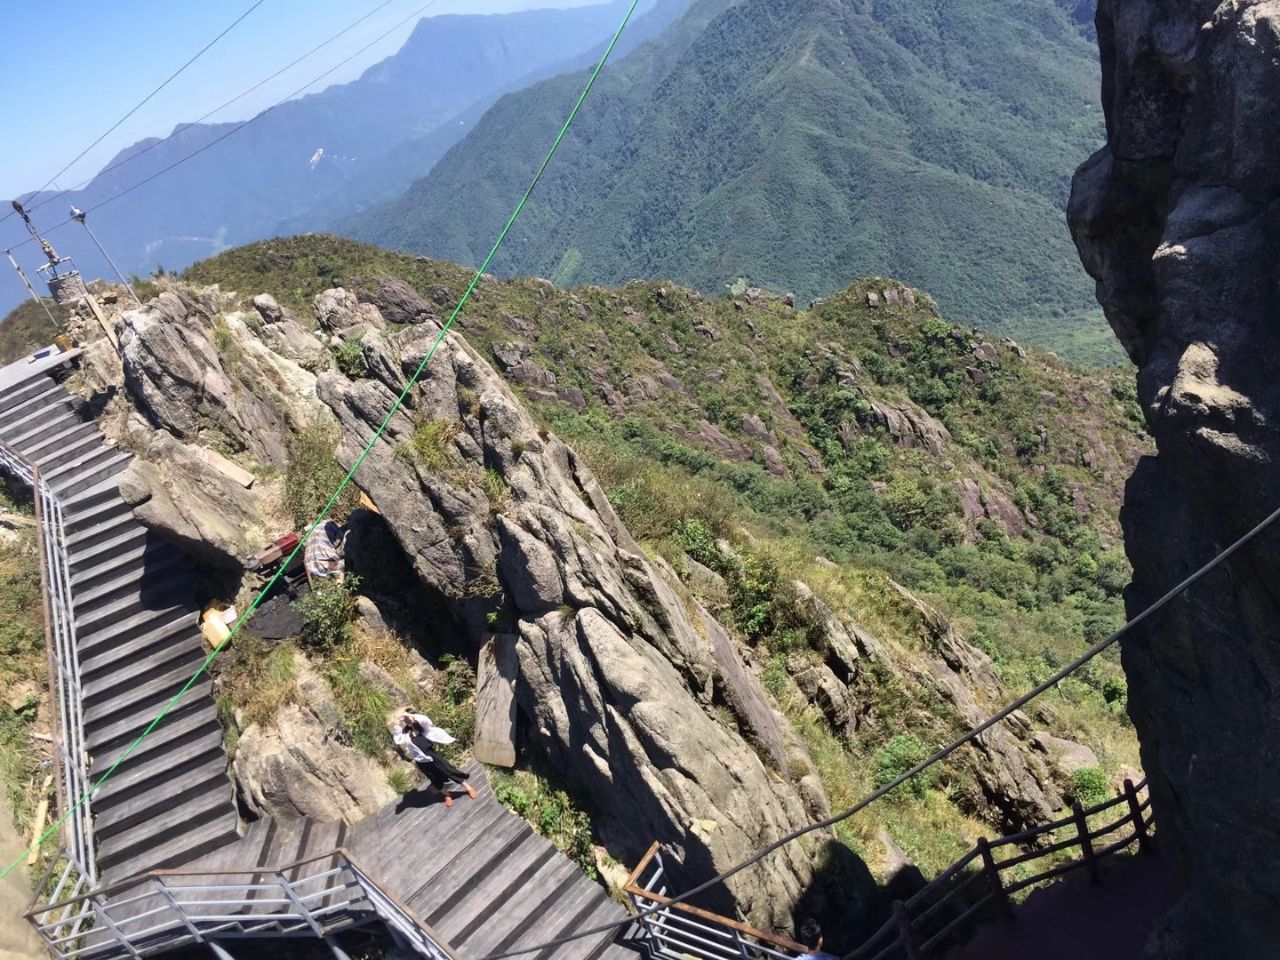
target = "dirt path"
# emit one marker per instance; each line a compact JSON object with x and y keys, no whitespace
{"x":17,"y":939}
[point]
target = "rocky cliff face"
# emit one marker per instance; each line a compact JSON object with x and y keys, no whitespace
{"x":615,"y":670}
{"x":1178,"y":219}
{"x":637,"y":679}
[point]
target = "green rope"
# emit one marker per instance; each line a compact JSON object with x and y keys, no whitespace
{"x":395,"y":407}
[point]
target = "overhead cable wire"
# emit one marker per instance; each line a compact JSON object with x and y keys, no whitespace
{"x":240,"y":126}
{"x":138,"y":106}
{"x":181,"y":128}
{"x":935,"y":757}
{"x":346,"y":479}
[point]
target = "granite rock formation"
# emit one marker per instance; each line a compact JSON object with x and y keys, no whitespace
{"x":1178,"y":220}
{"x":616,"y":669}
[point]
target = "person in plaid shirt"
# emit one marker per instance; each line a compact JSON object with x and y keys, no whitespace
{"x":322,"y":555}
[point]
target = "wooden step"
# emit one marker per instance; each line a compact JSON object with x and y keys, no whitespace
{"x":16,"y":421}
{"x":179,"y":629}
{"x":79,"y":475}
{"x":163,"y":803}
{"x":169,"y":589}
{"x":93,"y":513}
{"x":96,"y":554}
{"x":140,"y":774}
{"x":170,"y":734}
{"x":198,"y":839}
{"x":73,"y":505}
{"x":158,"y":662}
{"x":41,"y":445}
{"x":128,"y":728}
{"x":145,"y":699}
{"x":14,"y":397}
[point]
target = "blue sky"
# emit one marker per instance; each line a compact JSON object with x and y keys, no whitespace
{"x":72,"y":70}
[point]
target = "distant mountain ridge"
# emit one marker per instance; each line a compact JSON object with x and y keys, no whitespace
{"x":378,"y":133}
{"x":798,"y":143}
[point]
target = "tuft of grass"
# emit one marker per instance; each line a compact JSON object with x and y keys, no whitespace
{"x":496,"y":489}
{"x":313,"y":473}
{"x":550,"y":811}
{"x":402,"y":779}
{"x":364,"y":707}
{"x":257,"y":683}
{"x":431,"y":445}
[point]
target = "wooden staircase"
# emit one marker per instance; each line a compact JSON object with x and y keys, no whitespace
{"x":138,"y":641}
{"x":474,"y":877}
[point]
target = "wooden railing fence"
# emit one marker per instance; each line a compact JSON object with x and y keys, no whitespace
{"x":980,"y":883}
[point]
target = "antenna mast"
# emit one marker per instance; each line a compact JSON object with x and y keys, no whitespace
{"x":66,"y":286}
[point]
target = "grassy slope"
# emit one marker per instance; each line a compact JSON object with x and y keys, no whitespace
{"x":24,"y":705}
{"x":27,"y":328}
{"x":799,"y":143}
{"x":1050,"y":437}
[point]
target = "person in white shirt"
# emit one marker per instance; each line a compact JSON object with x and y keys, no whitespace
{"x":418,"y":738}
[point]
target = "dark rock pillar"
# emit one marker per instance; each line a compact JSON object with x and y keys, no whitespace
{"x":1178,"y":220}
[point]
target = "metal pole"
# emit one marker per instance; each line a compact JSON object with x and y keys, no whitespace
{"x":79,"y":217}
{"x":32,"y":290}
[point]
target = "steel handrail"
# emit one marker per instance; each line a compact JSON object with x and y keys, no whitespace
{"x":189,"y":919}
{"x":60,"y":650}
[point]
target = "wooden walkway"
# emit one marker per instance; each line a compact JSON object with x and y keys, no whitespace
{"x":1075,"y":919}
{"x":475,"y":873}
{"x":138,"y":642}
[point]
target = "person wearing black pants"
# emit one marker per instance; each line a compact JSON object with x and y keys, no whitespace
{"x":420,"y":739}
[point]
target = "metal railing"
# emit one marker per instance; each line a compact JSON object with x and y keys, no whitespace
{"x":165,"y":909}
{"x":682,"y":930}
{"x":933,"y":918}
{"x":926,"y":923}
{"x":71,"y":754}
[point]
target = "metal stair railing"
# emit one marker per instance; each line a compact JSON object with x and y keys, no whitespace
{"x":72,"y":758}
{"x":679,"y":931}
{"x":925,"y":924}
{"x":166,"y":909}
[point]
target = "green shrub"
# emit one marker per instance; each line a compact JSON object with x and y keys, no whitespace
{"x":900,"y":754}
{"x":774,"y":676}
{"x":327,"y":613}
{"x":1090,"y":787}
{"x":551,"y":812}
{"x":313,"y":474}
{"x":350,"y":360}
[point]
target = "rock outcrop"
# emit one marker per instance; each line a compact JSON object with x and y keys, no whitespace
{"x":204,"y":376}
{"x":179,"y":494}
{"x":298,"y":766}
{"x":616,"y":669}
{"x":1178,"y":219}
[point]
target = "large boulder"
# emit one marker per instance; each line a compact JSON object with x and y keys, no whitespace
{"x":298,"y":765}
{"x":207,"y":378}
{"x":617,"y":670}
{"x":175,"y":490}
{"x":1177,"y":220}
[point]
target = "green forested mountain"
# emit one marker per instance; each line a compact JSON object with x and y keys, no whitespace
{"x":800,"y":144}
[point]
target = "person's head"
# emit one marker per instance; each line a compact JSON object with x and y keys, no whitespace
{"x":409,"y":725}
{"x":811,"y":933}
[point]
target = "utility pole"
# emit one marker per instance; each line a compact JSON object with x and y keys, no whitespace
{"x":67,"y":287}
{"x":22,"y":275}
{"x":78,"y":216}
